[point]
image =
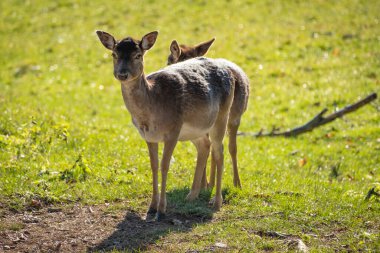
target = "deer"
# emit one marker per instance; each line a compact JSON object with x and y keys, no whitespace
{"x":188,"y":101}
{"x":179,"y":53}
{"x":183,"y":52}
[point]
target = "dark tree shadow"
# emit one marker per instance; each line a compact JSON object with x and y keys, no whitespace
{"x":135,"y":234}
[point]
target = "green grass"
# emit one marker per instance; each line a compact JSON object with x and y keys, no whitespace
{"x":65,"y":135}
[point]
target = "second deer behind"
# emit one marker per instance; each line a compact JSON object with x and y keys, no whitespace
{"x":179,"y":53}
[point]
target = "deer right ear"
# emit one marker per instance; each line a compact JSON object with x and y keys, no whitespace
{"x":203,"y":47}
{"x":175,"y":50}
{"x":107,"y":39}
{"x":148,"y":40}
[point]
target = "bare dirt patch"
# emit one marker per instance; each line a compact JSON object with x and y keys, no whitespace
{"x":84,"y":228}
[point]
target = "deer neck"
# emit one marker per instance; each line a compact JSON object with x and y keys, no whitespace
{"x":135,"y":95}
{"x":140,"y":103}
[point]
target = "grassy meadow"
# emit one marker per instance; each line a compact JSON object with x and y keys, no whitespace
{"x":66,"y":137}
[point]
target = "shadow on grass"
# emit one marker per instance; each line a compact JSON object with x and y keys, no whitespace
{"x":135,"y":234}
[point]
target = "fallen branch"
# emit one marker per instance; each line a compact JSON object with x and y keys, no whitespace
{"x":371,"y":193}
{"x":317,"y":121}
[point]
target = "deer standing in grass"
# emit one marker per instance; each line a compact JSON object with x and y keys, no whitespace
{"x":185,"y":101}
{"x":179,"y":53}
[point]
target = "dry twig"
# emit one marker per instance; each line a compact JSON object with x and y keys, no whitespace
{"x":317,"y":121}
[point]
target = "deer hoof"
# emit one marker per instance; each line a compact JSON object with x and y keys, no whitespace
{"x":216,"y":207}
{"x":237,"y":184}
{"x":191,"y":196}
{"x":160,"y":216}
{"x":152,"y":210}
{"x":150,"y":215}
{"x":216,"y":203}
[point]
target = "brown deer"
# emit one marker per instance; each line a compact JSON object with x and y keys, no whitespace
{"x":185,"y":101}
{"x":183,"y":52}
{"x":180,"y":53}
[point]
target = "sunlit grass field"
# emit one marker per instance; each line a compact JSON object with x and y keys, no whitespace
{"x":65,"y":135}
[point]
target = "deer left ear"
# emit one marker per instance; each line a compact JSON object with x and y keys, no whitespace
{"x":175,"y":50}
{"x":107,"y":39}
{"x":148,"y":40}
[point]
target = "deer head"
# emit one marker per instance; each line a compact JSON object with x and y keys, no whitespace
{"x":180,"y":53}
{"x":127,"y":54}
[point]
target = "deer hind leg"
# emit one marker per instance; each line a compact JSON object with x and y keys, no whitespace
{"x":165,"y":162}
{"x":153,"y":154}
{"x":203,"y":148}
{"x":216,"y":135}
{"x":232,"y":147}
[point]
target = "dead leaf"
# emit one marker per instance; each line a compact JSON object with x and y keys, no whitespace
{"x":23,"y":237}
{"x":298,"y":244}
{"x":36,"y":203}
{"x":302,"y":162}
{"x":336,"y":52}
{"x":221,"y":245}
{"x":302,"y":246}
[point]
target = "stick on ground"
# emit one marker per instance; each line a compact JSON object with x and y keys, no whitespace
{"x":317,"y":121}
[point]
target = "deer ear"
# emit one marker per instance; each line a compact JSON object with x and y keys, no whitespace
{"x":202,"y":48}
{"x":175,"y":50}
{"x":148,"y":40}
{"x":107,"y":39}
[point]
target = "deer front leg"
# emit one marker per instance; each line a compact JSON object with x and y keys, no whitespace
{"x":204,"y":184}
{"x":212,"y":170}
{"x":203,"y":148}
{"x":153,"y":154}
{"x":165,"y":162}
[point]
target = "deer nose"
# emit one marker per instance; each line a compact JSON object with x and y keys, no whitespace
{"x":122,"y":76}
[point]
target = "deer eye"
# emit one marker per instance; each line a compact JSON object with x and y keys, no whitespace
{"x":138,"y":56}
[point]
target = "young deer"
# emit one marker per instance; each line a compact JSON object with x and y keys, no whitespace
{"x":180,"y":53}
{"x":181,"y":102}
